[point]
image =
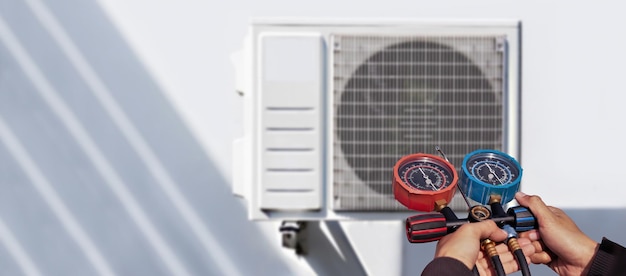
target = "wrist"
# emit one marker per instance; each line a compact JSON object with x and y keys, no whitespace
{"x":590,"y":250}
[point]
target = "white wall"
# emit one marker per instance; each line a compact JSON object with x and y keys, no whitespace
{"x":118,"y":116}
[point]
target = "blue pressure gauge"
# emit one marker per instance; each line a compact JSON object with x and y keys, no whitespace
{"x":490,"y":172}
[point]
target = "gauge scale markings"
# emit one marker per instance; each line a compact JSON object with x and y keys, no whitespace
{"x":486,"y":173}
{"x":425,"y":175}
{"x":492,"y":172}
{"x":490,"y":169}
{"x":423,"y":181}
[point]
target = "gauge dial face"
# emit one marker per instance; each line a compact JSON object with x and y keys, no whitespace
{"x":492,"y":169}
{"x":425,"y":174}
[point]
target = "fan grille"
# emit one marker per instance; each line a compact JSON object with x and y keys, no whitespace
{"x":400,"y":95}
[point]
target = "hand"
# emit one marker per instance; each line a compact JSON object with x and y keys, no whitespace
{"x":558,"y":243}
{"x":464,"y":244}
{"x":509,"y":263}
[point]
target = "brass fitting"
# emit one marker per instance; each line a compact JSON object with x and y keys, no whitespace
{"x":511,"y":239}
{"x":513,"y":245}
{"x":479,"y":213}
{"x":489,"y":247}
{"x":495,"y":198}
{"x":440,"y":204}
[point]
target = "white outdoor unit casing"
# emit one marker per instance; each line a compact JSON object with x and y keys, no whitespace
{"x":331,"y":105}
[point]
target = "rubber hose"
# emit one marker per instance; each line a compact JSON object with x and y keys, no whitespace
{"x":521,"y":260}
{"x":497,"y":264}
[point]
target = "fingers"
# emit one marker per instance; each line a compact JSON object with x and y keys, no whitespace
{"x":539,"y":247}
{"x":502,"y":250}
{"x":527,"y":246}
{"x":535,"y":204}
{"x":485,"y":267}
{"x":464,"y":244}
{"x":541,"y":255}
{"x":505,"y":254}
{"x":483,"y":230}
{"x":489,"y":230}
{"x":509,"y":262}
{"x":532,"y":235}
{"x":541,"y":258}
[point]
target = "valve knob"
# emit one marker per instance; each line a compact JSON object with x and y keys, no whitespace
{"x":524,"y":219}
{"x":426,"y":227}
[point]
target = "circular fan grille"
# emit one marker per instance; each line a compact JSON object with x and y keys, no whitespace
{"x":411,"y":97}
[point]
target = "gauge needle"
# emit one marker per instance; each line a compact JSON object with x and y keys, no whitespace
{"x":494,"y":173}
{"x":428,"y":181}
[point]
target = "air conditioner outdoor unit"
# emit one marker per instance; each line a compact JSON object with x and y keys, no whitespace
{"x":331,"y":105}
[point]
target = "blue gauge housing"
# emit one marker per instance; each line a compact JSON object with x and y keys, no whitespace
{"x":490,"y":172}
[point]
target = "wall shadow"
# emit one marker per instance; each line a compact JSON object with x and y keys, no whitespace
{"x":79,"y":149}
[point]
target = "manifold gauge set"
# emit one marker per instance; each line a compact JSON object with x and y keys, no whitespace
{"x":427,"y":182}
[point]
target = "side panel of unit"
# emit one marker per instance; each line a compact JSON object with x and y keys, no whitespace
{"x":289,"y":124}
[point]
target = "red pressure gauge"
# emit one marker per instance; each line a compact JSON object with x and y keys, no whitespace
{"x":421,"y":179}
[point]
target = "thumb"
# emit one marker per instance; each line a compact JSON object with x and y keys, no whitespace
{"x":489,"y":230}
{"x":536,"y":206}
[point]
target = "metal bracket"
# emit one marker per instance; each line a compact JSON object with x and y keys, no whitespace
{"x":294,"y":236}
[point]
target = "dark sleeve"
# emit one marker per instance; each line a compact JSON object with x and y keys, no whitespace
{"x":446,"y":266}
{"x":609,"y":260}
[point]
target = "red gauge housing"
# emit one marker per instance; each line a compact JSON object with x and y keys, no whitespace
{"x":421,"y":199}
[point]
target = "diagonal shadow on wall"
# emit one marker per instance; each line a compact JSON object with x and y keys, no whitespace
{"x":99,"y":174}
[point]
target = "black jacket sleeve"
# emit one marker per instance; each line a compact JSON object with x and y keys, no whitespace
{"x":443,"y":266}
{"x":609,"y":260}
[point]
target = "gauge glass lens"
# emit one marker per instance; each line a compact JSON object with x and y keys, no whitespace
{"x":425,"y":174}
{"x":492,"y":169}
